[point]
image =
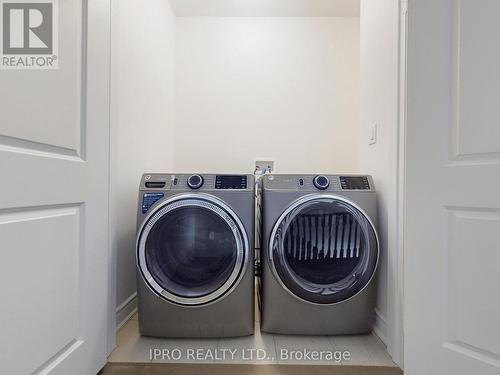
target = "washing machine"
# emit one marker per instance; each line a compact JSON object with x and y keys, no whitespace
{"x":195,"y":255}
{"x":320,"y":252}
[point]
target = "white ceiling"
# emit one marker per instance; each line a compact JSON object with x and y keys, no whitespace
{"x":266,"y":8}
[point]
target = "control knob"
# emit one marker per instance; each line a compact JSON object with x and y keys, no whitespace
{"x":195,"y":181}
{"x":321,"y":182}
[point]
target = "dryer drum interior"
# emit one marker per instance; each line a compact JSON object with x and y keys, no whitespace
{"x":191,"y":251}
{"x":324,"y":250}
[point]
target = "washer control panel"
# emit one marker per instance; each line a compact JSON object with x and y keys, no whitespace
{"x":196,"y":182}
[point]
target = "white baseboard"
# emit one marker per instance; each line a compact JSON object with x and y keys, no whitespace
{"x":126,"y":310}
{"x":380,"y":328}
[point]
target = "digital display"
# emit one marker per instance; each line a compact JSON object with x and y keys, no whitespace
{"x":231,"y":182}
{"x":354,"y":183}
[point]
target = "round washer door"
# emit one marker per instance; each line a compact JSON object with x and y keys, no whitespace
{"x":192,"y":249}
{"x":324,"y":249}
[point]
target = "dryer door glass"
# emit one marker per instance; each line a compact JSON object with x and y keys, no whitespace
{"x":193,"y":251}
{"x":324,"y":250}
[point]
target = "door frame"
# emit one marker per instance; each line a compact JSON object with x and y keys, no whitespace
{"x":396,"y":277}
{"x":395,"y":332}
{"x":395,"y":270}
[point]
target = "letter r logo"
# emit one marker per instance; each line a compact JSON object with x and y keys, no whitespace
{"x":27,"y":28}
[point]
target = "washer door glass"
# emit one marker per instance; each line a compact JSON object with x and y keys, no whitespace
{"x":192,"y":250}
{"x":324,"y":250}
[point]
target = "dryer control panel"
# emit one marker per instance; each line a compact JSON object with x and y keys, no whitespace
{"x":318,"y":183}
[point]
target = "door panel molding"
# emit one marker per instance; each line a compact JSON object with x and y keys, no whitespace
{"x":44,"y":237}
{"x":11,"y":144}
{"x":470,"y":324}
{"x":26,"y":134}
{"x":469,"y":98}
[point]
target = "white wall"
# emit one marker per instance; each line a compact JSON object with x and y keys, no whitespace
{"x":285,"y":88}
{"x":142,"y":122}
{"x":379,"y":46}
{"x":266,"y":8}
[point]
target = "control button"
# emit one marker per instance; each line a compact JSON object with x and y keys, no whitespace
{"x":321,"y":182}
{"x":301,"y":181}
{"x":195,"y":181}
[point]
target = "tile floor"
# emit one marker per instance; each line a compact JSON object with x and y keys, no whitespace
{"x":365,"y":350}
{"x":241,"y":369}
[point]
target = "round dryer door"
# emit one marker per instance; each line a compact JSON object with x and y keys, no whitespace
{"x":324,"y":249}
{"x":192,"y":249}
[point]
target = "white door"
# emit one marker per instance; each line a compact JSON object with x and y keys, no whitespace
{"x":54,"y":146}
{"x":452,"y":238}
